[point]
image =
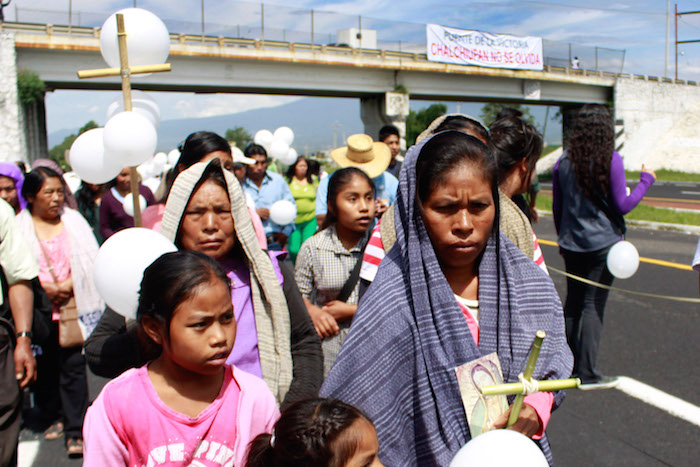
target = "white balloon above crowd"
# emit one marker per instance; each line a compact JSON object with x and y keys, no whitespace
{"x":278,"y":144}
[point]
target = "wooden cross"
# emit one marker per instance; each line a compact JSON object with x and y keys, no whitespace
{"x":125,"y":71}
{"x":518,"y":388}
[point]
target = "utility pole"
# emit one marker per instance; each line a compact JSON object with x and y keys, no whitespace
{"x":692,"y":41}
{"x":668,"y":26}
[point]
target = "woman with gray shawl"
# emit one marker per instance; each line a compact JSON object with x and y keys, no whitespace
{"x":451,"y":290}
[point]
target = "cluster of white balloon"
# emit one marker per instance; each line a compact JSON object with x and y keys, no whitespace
{"x":278,"y":144}
{"x":128,"y":138}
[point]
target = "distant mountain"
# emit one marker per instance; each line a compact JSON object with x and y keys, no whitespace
{"x":311,"y":118}
{"x":307,"y":117}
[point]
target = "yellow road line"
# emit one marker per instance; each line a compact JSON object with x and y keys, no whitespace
{"x":658,"y":262}
{"x":647,"y":198}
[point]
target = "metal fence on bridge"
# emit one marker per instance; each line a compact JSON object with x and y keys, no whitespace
{"x":269,"y":22}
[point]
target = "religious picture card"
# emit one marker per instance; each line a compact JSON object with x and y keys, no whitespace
{"x":481,"y":410}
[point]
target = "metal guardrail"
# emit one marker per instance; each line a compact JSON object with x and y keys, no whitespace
{"x":221,"y":41}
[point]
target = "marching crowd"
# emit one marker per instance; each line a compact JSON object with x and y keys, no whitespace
{"x":332,"y":340}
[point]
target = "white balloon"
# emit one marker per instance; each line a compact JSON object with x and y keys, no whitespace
{"x":278,"y":149}
{"x":283,"y":212}
{"x":131,"y":138}
{"x":159,"y":161}
{"x":120,"y":263}
{"x":129,"y":204}
{"x":284,"y":134}
{"x":263,"y":138}
{"x":497,"y":448}
{"x":141,"y":103}
{"x":623,"y":260}
{"x":173,"y":157}
{"x":146,"y":169}
{"x":147,"y":38}
{"x":89,"y":160}
{"x":289,"y":158}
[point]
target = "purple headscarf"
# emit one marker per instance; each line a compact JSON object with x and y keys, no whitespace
{"x":48,"y":163}
{"x":10,"y":169}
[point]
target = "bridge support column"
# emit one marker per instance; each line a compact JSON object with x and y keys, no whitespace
{"x":13,"y":144}
{"x":388,"y":109}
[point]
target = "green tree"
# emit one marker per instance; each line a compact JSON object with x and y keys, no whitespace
{"x":490,"y":110}
{"x":238,"y":135}
{"x":58,"y":152}
{"x":416,"y":122}
{"x":30,"y":87}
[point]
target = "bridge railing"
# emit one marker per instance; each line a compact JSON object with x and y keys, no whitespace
{"x":272,"y":26}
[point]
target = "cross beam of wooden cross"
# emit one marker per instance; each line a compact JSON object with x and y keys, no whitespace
{"x":125,"y":71}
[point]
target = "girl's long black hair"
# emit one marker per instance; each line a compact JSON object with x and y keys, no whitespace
{"x":590,"y":149}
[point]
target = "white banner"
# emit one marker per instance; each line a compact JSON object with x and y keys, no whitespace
{"x":450,"y":45}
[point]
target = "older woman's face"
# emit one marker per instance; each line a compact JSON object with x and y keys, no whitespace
{"x":207,"y":225}
{"x":48,"y":202}
{"x":459,"y":215}
{"x":8,"y":191}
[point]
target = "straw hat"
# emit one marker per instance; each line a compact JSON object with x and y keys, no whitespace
{"x":363,"y":153}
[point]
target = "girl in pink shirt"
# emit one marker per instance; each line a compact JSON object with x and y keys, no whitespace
{"x":186,"y":407}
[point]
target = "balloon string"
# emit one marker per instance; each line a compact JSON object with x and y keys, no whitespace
{"x":629,"y":292}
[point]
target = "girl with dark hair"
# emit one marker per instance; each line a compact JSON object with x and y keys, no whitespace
{"x":320,"y":433}
{"x":327,"y":261}
{"x":303,"y":186}
{"x":517,"y":146}
{"x":451,"y":290}
{"x":187,"y":404}
{"x":590,"y":200}
{"x":113,"y":218}
{"x":66,"y":248}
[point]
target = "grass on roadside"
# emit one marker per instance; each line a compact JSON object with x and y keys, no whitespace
{"x":667,"y":175}
{"x":642,"y":212}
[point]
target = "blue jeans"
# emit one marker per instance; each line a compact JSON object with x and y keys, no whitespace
{"x":584,"y":309}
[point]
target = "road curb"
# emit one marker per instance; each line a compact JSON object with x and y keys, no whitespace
{"x":649,"y":225}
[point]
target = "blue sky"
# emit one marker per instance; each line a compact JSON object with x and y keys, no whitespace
{"x":638,"y":27}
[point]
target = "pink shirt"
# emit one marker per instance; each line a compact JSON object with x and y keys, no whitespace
{"x":540,"y":401}
{"x":129,"y":425}
{"x":59,"y":251}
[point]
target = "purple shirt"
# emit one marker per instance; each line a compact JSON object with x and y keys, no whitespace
{"x":112,"y":215}
{"x":245,"y":350}
{"x":618,"y":187}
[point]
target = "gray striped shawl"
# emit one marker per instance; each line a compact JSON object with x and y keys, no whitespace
{"x":269,"y":304}
{"x":397,"y":364}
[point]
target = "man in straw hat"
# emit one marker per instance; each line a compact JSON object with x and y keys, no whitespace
{"x":370,"y":157}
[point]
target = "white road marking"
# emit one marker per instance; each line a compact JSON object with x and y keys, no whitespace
{"x":661,"y":400}
{"x":690,"y":192}
{"x":26,"y":453}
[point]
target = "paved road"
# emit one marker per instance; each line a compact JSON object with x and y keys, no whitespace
{"x":653,"y":341}
{"x":684,"y":195}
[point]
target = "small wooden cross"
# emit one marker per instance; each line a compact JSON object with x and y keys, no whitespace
{"x":125,"y":71}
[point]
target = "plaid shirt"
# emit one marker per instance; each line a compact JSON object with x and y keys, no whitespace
{"x":325,"y":265}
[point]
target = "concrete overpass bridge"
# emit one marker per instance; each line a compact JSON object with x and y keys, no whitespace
{"x":209,"y":64}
